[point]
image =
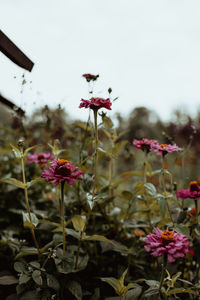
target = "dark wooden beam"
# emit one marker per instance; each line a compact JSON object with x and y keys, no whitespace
{"x":14,"y":53}
{"x":12,"y":106}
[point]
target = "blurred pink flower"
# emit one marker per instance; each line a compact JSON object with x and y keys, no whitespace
{"x":40,"y":158}
{"x":145,"y":144}
{"x":60,"y":171}
{"x":90,"y":77}
{"x":96,"y":103}
{"x":163,"y":149}
{"x":192,"y":192}
{"x":174,"y":244}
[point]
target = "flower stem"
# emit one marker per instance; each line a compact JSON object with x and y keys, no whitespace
{"x":78,"y":250}
{"x":164,"y":187}
{"x":162,"y":274}
{"x":197,"y":210}
{"x":146,"y":196}
{"x":96,"y":153}
{"x":27,"y":202}
{"x":63,"y":218}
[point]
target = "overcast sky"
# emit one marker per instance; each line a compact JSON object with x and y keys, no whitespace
{"x":148,"y":51}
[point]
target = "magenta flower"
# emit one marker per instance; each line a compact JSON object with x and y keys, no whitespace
{"x":145,"y":144}
{"x":174,"y":244}
{"x":96,"y":103}
{"x":163,"y":149}
{"x":41,"y":159}
{"x":90,"y":77}
{"x":192,"y":192}
{"x":60,"y":171}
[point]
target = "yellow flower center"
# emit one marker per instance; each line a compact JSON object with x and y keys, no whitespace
{"x":61,"y":162}
{"x":164,"y":145}
{"x":167,"y":235}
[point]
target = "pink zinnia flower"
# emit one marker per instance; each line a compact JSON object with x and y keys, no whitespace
{"x":145,"y":144}
{"x":90,"y":77}
{"x":192,"y":192}
{"x":174,"y":244}
{"x":96,"y":103}
{"x":40,"y":158}
{"x":163,"y":149}
{"x":60,"y":171}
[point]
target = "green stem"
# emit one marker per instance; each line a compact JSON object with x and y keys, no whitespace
{"x":63,"y":218}
{"x":78,"y":250}
{"x":162,"y":274}
{"x":197,"y":210}
{"x":27,"y":202}
{"x":146,"y":196}
{"x":96,"y":153}
{"x":164,"y":187}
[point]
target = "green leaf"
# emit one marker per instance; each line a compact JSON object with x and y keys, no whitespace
{"x":34,"y":181}
{"x":181,"y":290}
{"x":16,"y":151}
{"x":127,"y":195}
{"x":52,"y":282}
{"x":75,"y":289}
{"x":20,"y":267}
{"x":14,"y":182}
{"x":107,"y":122}
{"x":97,"y":237}
{"x":26,"y":251}
{"x":8,"y":280}
{"x":36,"y":275}
{"x":113,"y":282}
{"x":26,"y":220}
{"x":182,"y":229}
{"x":29,"y":149}
{"x":78,"y":222}
{"x":30,"y":295}
{"x":24,"y":278}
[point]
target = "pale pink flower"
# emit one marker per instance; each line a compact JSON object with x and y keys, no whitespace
{"x":163,"y":149}
{"x":41,"y":158}
{"x":145,"y":144}
{"x":173,"y":244}
{"x":60,"y":171}
{"x":192,"y":192}
{"x":96,"y":103}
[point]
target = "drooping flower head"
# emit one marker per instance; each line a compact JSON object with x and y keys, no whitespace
{"x":171,"y":243}
{"x":90,"y":77}
{"x":96,"y":103}
{"x":62,"y":170}
{"x":193,"y":192}
{"x":163,"y":149}
{"x":145,"y":145}
{"x":41,"y":159}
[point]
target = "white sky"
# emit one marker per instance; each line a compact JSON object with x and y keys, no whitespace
{"x":148,"y":51}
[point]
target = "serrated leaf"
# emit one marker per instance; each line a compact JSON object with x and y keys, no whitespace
{"x":8,"y":280}
{"x":78,"y":222}
{"x":14,"y":182}
{"x":27,"y":222}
